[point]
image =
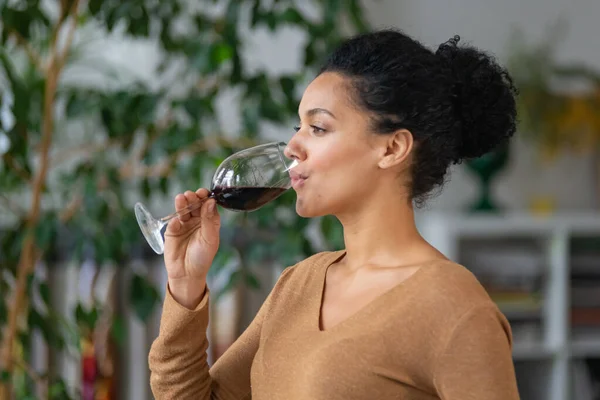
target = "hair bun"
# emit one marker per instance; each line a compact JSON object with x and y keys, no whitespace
{"x":483,"y":97}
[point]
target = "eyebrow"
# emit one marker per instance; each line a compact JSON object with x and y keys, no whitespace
{"x":314,"y":111}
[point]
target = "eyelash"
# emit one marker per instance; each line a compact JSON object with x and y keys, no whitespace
{"x":316,"y":129}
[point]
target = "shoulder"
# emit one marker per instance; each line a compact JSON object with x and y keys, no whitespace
{"x":456,"y":284}
{"x":451,"y":292}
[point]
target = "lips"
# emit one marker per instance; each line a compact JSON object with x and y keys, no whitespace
{"x":297,"y":179}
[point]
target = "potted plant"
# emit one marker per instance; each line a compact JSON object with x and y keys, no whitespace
{"x":75,"y":157}
{"x":558,"y":101}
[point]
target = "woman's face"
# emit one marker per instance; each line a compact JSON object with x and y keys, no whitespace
{"x":338,"y":156}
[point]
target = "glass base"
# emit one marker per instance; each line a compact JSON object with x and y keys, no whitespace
{"x":151,"y":228}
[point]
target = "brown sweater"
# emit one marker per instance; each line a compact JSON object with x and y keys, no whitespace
{"x":437,"y":335}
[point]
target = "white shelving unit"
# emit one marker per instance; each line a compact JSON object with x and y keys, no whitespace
{"x":446,"y":231}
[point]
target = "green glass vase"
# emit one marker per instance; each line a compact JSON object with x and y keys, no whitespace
{"x":486,"y":168}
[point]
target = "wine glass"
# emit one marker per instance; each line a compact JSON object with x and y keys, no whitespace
{"x":244,"y":181}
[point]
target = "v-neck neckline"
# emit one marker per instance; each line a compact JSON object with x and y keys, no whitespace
{"x":336,"y":257}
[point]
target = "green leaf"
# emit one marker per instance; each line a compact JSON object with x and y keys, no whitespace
{"x":332,"y":231}
{"x":84,"y":318}
{"x":94,"y":6}
{"x":44,"y":289}
{"x":220,"y":53}
{"x":223,"y":257}
{"x":256,"y":14}
{"x":80,"y":103}
{"x":271,"y":19}
{"x":118,"y":331}
{"x":58,"y":391}
{"x":4,"y":376}
{"x":196,"y":106}
{"x":271,"y":110}
{"x":250,"y":120}
{"x":310,"y":55}
{"x":3,"y":312}
{"x":18,"y":89}
{"x":293,"y":16}
{"x":331,"y":12}
{"x":307,"y":247}
{"x":45,"y":232}
{"x":357,"y":16}
{"x":47,"y":328}
{"x":234,"y":280}
{"x":143,"y":297}
{"x":23,"y":20}
{"x":146,"y":108}
{"x":288,"y":85}
{"x":252,"y":281}
{"x":163,"y":184}
{"x":146,"y":188}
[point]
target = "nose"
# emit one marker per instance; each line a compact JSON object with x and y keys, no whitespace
{"x":294,"y":149}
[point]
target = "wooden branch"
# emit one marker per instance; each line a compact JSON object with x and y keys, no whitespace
{"x":40,"y":382}
{"x":33,"y":55}
{"x":28,"y":250}
{"x":16,"y":167}
{"x":162,"y":124}
{"x":10,"y":205}
{"x":62,"y":57}
{"x":164,"y":167}
{"x":56,"y":30}
{"x":72,"y":152}
{"x":71,"y":209}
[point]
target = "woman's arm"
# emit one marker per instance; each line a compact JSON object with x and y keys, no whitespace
{"x":477,"y":360}
{"x":178,"y":361}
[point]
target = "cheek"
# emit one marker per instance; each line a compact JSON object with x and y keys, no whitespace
{"x":339,"y":171}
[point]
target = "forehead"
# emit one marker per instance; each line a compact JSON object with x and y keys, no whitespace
{"x":329,"y":91}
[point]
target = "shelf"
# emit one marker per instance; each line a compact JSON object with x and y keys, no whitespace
{"x":530,"y":246}
{"x":523,"y":351}
{"x":513,"y":224}
{"x":585,"y":345}
{"x":520,"y":314}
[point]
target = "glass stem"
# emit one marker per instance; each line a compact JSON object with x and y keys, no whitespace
{"x":186,"y":210}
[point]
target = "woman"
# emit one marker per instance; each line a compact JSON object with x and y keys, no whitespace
{"x":389,"y":317}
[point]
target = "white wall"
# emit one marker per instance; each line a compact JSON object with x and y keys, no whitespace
{"x":488,"y":24}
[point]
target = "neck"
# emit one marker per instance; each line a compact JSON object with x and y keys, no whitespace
{"x":384,"y":234}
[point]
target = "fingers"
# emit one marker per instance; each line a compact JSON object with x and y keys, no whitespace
{"x":211,"y":223}
{"x":202,"y":193}
{"x":184,"y":200}
{"x":192,"y":198}
{"x":181,"y":203}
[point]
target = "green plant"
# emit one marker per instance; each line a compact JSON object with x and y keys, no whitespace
{"x":74,"y":157}
{"x":558,"y":101}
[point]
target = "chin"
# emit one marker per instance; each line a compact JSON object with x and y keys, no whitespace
{"x":305,"y":211}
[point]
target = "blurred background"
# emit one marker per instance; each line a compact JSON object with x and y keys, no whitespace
{"x":105,"y":102}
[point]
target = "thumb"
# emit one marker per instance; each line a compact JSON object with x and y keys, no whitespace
{"x":211,"y":222}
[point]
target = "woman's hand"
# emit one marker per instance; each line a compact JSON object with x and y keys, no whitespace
{"x":191,"y":243}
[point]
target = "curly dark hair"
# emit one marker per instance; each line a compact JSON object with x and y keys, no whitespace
{"x":457,"y":102}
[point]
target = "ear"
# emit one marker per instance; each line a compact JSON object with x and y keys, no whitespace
{"x":397,"y":148}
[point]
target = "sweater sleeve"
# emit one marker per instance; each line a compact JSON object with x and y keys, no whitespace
{"x":178,"y":360}
{"x":476,"y":362}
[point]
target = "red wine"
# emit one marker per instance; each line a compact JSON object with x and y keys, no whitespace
{"x":245,"y":198}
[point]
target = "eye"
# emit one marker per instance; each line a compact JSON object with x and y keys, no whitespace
{"x":317,"y":130}
{"x":314,"y":129}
